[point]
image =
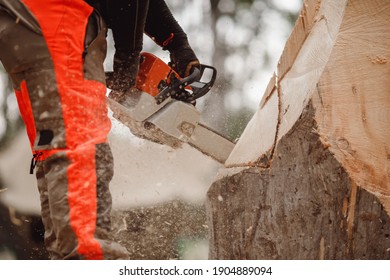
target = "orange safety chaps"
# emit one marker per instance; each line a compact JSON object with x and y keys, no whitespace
{"x":54,"y":52}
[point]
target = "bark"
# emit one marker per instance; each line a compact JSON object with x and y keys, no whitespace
{"x":310,"y":176}
{"x":304,"y":207}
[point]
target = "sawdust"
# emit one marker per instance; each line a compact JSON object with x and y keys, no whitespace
{"x":159,"y":232}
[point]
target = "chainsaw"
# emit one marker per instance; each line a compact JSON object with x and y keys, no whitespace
{"x":161,"y":108}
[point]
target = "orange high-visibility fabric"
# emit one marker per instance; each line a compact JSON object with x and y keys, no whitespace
{"x":26,"y":113}
{"x":63,"y":24}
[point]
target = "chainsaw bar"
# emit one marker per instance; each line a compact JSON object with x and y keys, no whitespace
{"x":171,"y":123}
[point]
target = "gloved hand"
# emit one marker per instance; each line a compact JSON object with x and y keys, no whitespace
{"x":125,"y":72}
{"x":183,"y":60}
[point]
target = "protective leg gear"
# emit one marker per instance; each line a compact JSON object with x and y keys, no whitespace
{"x":58,"y":75}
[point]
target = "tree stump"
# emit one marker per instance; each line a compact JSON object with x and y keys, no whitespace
{"x":310,"y":176}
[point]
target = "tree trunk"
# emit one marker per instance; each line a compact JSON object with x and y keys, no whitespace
{"x":310,"y":176}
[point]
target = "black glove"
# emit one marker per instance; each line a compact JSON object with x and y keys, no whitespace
{"x":125,"y":72}
{"x":183,"y":60}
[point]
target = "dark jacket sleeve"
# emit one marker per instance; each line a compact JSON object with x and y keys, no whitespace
{"x":162,"y":27}
{"x":130,"y":19}
{"x":126,"y":19}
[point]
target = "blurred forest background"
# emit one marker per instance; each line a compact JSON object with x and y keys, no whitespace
{"x":243,"y":39}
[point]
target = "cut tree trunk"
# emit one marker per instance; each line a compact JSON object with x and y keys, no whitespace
{"x":310,"y":176}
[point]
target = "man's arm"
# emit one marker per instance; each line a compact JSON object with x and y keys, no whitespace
{"x":163,"y":28}
{"x":126,"y":19}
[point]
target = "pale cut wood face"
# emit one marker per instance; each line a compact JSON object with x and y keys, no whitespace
{"x":299,"y":69}
{"x":337,"y":58}
{"x":353,"y":97}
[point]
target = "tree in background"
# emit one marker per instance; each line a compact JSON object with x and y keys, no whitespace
{"x":243,"y":39}
{"x":10,"y":121}
{"x":248,"y":38}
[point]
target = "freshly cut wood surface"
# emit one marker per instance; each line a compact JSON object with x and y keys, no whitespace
{"x":353,"y":97}
{"x":300,"y":66}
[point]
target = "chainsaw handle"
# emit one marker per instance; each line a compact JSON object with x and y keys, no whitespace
{"x":193,"y":77}
{"x":200,"y":88}
{"x":177,"y":85}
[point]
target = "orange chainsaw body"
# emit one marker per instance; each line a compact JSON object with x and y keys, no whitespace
{"x":158,"y":79}
{"x":152,"y":71}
